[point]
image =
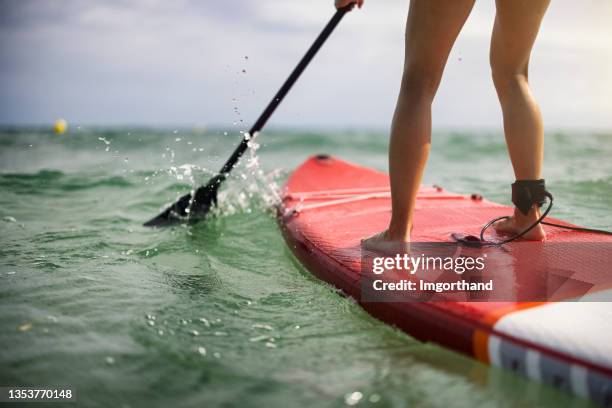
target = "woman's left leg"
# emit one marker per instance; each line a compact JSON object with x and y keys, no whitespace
{"x":431,"y":30}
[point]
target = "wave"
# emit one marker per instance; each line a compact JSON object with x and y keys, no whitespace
{"x":46,"y":180}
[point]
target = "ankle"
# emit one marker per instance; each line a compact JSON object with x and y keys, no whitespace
{"x":531,"y":216}
{"x":399,"y":233}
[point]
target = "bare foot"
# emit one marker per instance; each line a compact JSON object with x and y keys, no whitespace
{"x":519,"y":222}
{"x":384,"y":242}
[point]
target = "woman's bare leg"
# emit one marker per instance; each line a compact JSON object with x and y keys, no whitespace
{"x":516,"y":26}
{"x":431,"y":30}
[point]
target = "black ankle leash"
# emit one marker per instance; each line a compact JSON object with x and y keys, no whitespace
{"x":525,"y":193}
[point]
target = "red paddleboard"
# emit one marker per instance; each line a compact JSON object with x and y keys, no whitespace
{"x":329,"y":205}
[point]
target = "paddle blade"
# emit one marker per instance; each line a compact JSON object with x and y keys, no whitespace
{"x":173,"y":214}
{"x":186,"y":209}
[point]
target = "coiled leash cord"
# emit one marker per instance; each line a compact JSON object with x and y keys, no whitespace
{"x":525,"y":193}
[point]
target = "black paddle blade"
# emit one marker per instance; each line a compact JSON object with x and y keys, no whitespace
{"x":188,"y":209}
{"x":173,"y":214}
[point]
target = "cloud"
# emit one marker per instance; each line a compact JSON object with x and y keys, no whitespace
{"x":181,"y":62}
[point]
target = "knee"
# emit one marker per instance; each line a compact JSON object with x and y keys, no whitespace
{"x":421,"y":80}
{"x":507,"y":77}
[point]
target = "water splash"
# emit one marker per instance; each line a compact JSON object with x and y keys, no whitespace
{"x":106,"y":142}
{"x":250,"y":188}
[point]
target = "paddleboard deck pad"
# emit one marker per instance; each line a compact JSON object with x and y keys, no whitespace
{"x":330,"y":205}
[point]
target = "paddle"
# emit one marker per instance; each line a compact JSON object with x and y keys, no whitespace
{"x":193,"y":208}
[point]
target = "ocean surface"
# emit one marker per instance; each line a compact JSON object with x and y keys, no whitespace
{"x":221,"y":313}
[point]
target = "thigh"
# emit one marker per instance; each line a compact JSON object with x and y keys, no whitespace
{"x":516,"y":27}
{"x":431,"y":30}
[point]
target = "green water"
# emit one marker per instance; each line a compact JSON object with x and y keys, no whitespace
{"x":221,"y":314}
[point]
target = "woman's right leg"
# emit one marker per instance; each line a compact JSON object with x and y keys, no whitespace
{"x":516,"y":27}
{"x":431,"y":30}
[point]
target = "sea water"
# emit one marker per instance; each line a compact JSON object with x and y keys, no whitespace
{"x":221,"y":313}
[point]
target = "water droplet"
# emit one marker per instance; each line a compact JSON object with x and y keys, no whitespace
{"x":205,"y":321}
{"x":353,"y":398}
{"x":217,"y":355}
{"x":201,"y":351}
{"x":109,"y":360}
{"x":25,"y":327}
{"x":374,"y":398}
{"x":194,"y":333}
{"x":270,"y":345}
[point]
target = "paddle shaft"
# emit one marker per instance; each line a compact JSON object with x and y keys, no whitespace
{"x":282,"y":92}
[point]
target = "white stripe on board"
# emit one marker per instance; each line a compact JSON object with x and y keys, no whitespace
{"x":494,"y":356}
{"x":532,"y":363}
{"x":578,"y":376}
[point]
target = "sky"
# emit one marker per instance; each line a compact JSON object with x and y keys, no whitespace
{"x":181,"y":63}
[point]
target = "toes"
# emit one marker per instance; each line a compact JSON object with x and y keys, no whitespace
{"x":375,"y":238}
